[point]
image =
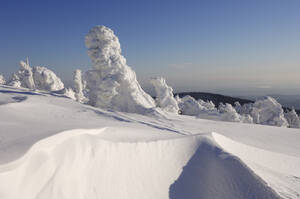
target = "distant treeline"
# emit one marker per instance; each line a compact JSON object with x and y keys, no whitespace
{"x":217,"y":98}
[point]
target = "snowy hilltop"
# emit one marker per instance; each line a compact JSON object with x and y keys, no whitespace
{"x":105,"y":137}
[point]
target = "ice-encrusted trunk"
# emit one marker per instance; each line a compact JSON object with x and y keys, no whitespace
{"x":164,"y":95}
{"x":112,"y":84}
{"x":78,"y":86}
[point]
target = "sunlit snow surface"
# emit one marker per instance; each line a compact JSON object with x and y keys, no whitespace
{"x":54,"y":147}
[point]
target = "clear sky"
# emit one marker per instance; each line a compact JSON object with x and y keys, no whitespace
{"x":235,"y":47}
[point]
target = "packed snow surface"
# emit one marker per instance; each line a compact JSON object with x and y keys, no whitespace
{"x":55,"y":148}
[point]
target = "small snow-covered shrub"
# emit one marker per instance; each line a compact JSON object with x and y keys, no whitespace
{"x":112,"y":84}
{"x":209,"y":104}
{"x":189,"y":106}
{"x":45,"y":79}
{"x":228,"y":113}
{"x":164,"y":95}
{"x":268,"y":111}
{"x":23,"y":77}
{"x":2,"y":79}
{"x":292,"y":119}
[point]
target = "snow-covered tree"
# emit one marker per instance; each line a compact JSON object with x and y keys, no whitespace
{"x":164,"y":95}
{"x":69,"y":93}
{"x":45,"y":79}
{"x":268,"y":111}
{"x":209,"y":104}
{"x":189,"y":106}
{"x":292,"y":119}
{"x":23,"y":77}
{"x":228,"y":113}
{"x":27,"y":75}
{"x":2,"y":79}
{"x":112,"y":84}
{"x":78,"y":86}
{"x":14,"y":81}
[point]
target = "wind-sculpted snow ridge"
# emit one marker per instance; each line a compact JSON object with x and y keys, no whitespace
{"x":280,"y":171}
{"x":82,"y":163}
{"x":164,"y":95}
{"x":112,"y":84}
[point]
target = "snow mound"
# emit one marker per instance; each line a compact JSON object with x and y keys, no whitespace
{"x":164,"y":95}
{"x":112,"y":84}
{"x":83,"y":164}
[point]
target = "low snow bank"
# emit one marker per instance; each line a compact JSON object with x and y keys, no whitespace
{"x":112,"y":84}
{"x":81,"y":164}
{"x":164,"y":95}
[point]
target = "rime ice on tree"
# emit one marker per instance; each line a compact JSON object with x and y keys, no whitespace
{"x":112,"y":84}
{"x":2,"y":79}
{"x":164,"y":95}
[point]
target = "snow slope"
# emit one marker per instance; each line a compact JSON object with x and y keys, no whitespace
{"x":54,"y":147}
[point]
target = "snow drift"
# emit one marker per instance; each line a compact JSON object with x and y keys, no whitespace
{"x":82,"y":164}
{"x":112,"y":83}
{"x":174,"y":156}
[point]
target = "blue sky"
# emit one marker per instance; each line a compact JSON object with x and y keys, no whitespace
{"x":227,"y":46}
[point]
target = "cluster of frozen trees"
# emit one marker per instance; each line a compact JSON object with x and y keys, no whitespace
{"x":112,"y":84}
{"x":42,"y":78}
{"x":266,"y":111}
